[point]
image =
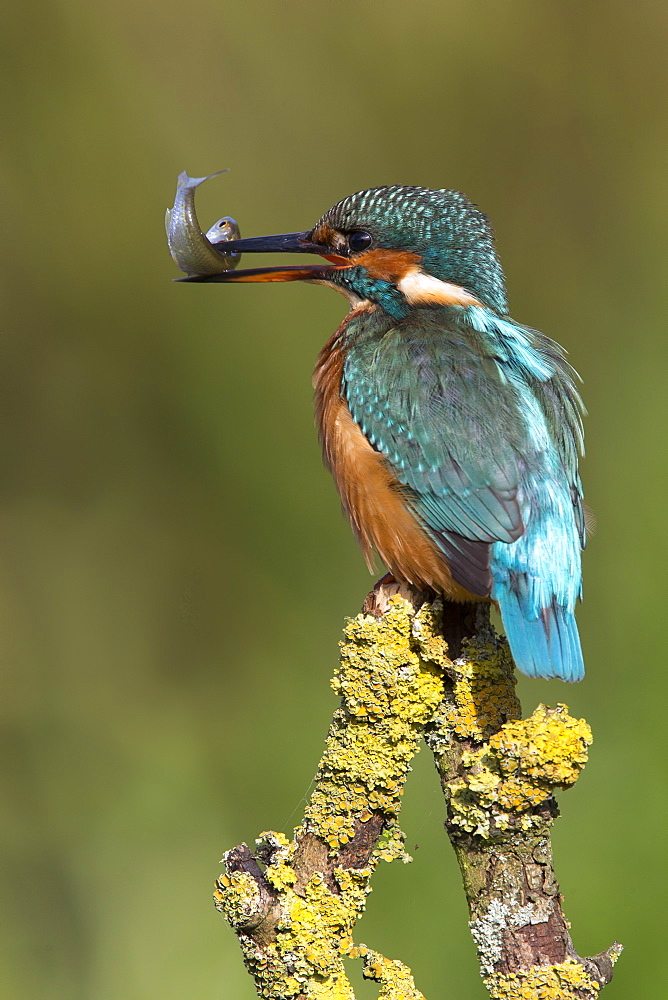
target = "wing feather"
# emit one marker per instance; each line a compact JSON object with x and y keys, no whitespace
{"x":438,"y":407}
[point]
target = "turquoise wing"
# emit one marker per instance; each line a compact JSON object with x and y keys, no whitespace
{"x":438,"y":405}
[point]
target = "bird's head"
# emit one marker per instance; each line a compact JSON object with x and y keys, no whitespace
{"x":395,"y":246}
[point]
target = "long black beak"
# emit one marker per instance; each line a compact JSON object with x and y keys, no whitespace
{"x":284,"y":243}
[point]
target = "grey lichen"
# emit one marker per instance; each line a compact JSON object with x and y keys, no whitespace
{"x":488,"y":930}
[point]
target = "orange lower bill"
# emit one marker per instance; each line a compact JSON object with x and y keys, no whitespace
{"x":287,"y":273}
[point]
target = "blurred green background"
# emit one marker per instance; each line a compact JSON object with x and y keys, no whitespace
{"x":174,"y":566}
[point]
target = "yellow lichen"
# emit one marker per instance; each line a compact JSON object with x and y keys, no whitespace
{"x":236,"y":897}
{"x":564,"y":981}
{"x":484,"y":691}
{"x":390,"y":683}
{"x":396,"y":981}
{"x":518,"y":769}
{"x":390,"y":846}
{"x":280,"y":875}
{"x":277,"y":842}
{"x":315,"y":932}
{"x":549,"y":746}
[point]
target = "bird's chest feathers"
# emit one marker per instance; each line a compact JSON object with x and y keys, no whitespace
{"x":347,"y":453}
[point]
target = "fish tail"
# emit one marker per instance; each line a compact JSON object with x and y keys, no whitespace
{"x":184,"y":181}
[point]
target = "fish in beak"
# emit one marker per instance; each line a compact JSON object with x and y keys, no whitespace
{"x":285,"y":243}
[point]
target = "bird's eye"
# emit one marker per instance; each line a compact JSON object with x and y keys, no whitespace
{"x":359,"y":241}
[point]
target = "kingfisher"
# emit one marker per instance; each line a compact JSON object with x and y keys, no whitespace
{"x":452,"y":431}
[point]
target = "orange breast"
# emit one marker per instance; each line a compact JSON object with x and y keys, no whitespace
{"x":380,"y":515}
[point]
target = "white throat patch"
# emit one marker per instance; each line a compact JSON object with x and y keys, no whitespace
{"x":424,"y":289}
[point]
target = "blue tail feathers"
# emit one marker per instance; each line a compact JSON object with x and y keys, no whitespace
{"x":547,"y":645}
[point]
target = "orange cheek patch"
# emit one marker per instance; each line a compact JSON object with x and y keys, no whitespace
{"x":387,"y":265}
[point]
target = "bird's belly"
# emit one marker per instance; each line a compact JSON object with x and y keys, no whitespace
{"x":381,"y":516}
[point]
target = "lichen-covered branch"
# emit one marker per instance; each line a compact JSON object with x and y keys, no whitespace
{"x":294,"y":903}
{"x":499,"y":773}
